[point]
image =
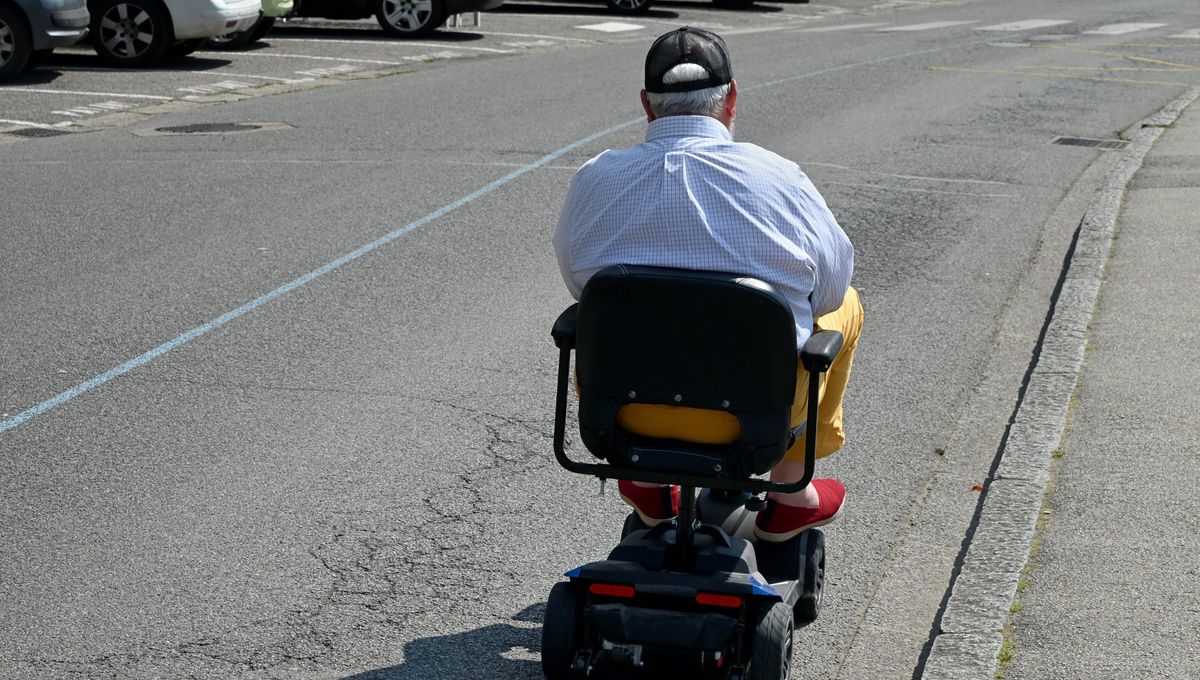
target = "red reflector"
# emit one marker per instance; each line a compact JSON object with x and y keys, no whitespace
{"x":714,"y":600}
{"x":230,"y":24}
{"x":610,"y":590}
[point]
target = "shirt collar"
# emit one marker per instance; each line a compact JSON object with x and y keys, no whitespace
{"x":687,"y":126}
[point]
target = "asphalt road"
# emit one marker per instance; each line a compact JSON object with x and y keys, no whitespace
{"x":351,"y":477}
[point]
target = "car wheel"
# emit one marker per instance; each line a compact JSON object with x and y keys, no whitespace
{"x":186,"y":47}
{"x":230,"y":41}
{"x":410,"y":18}
{"x":629,"y":6}
{"x":262,"y":28}
{"x":130,"y":33}
{"x":38,"y":58}
{"x":15,"y":45}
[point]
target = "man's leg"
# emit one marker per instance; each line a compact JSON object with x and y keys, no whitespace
{"x":804,"y":508}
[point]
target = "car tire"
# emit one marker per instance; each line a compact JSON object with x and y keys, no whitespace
{"x":130,"y":33}
{"x":629,"y":6}
{"x":262,"y":28}
{"x":15,"y":44}
{"x":230,"y":41}
{"x":185,"y":47}
{"x":410,"y":18}
{"x":733,"y":4}
{"x":239,"y":39}
{"x":38,"y":58}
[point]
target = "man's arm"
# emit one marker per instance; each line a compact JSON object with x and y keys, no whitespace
{"x":562,"y":239}
{"x":831,"y":251}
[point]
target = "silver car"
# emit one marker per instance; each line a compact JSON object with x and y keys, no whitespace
{"x":31,"y":29}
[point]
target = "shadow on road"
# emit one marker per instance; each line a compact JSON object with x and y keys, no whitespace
{"x":500,"y":650}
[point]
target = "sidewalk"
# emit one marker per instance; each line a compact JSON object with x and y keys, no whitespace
{"x":1113,"y":588}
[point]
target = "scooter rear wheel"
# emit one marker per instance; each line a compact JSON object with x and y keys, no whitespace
{"x":560,"y":631}
{"x":771,"y":656}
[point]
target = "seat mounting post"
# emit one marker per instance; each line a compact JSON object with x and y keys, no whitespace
{"x":681,"y":555}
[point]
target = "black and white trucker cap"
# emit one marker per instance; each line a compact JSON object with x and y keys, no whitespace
{"x":687,"y":46}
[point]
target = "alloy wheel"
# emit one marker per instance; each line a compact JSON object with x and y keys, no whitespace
{"x":408,"y":15}
{"x":124,"y":35}
{"x":8,"y":43}
{"x":629,"y":6}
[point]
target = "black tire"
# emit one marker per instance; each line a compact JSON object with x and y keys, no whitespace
{"x":771,"y":655}
{"x":15,"y":44}
{"x":186,"y":47}
{"x":733,"y":4}
{"x":410,"y":18}
{"x":38,"y":58}
{"x":262,"y":28}
{"x":130,"y":33}
{"x":629,"y":6}
{"x":231,"y":41}
{"x":632,"y":523}
{"x":808,"y":606}
{"x":560,"y":631}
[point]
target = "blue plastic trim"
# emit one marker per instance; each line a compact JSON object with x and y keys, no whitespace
{"x":760,"y":588}
{"x":574,"y":573}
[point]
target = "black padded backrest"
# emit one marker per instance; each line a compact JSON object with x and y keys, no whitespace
{"x":702,"y":339}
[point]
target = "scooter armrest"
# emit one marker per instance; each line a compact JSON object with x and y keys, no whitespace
{"x":820,"y":351}
{"x":564,"y":328}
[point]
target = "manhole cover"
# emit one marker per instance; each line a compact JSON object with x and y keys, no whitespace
{"x":38,"y":132}
{"x":209,"y":128}
{"x":1103,"y":144}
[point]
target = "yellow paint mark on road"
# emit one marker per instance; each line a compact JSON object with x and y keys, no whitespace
{"x":1001,"y":72}
{"x":1106,"y":69}
{"x":1122,"y":55}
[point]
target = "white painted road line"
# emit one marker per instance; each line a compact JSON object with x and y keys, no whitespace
{"x":26,"y":123}
{"x":380,"y":43}
{"x":843,"y":27}
{"x":1193,"y":34}
{"x":273,"y":78}
{"x":307,"y":56}
{"x":537,"y":35}
{"x":1029,"y":25}
{"x":1119,"y":29}
{"x":611,"y":27}
{"x":926,"y":27}
{"x":87,"y":94}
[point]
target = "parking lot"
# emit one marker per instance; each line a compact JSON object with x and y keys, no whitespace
{"x":74,"y":91}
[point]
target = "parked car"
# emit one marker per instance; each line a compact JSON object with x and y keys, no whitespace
{"x":402,"y":18}
{"x":140,"y":32}
{"x":31,"y":29}
{"x":271,"y":10}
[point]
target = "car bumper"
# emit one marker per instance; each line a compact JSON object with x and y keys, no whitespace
{"x":277,"y":8}
{"x":460,"y":6}
{"x":63,"y":37}
{"x":207,"y":18}
{"x":72,"y":18}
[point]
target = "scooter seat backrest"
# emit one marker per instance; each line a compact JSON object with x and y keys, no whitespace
{"x":707,"y":340}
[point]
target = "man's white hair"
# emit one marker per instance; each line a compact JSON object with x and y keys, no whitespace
{"x":707,"y":102}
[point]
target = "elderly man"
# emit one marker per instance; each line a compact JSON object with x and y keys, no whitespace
{"x":690,"y":197}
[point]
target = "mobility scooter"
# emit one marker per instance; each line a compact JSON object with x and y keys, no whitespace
{"x":699,"y":596}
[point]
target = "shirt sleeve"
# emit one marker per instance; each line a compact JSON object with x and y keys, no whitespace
{"x":831,"y":251}
{"x":562,"y":239}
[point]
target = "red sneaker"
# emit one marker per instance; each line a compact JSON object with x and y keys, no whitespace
{"x":654,"y":504}
{"x":778,"y":522}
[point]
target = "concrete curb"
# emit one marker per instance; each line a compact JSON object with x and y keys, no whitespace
{"x":970,"y":634}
